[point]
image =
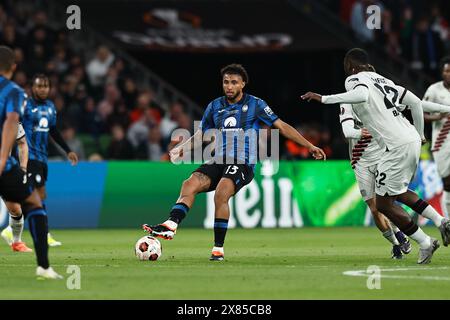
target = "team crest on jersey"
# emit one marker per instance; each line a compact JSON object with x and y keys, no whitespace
{"x":268,"y":111}
{"x":230,"y":122}
{"x":50,"y":110}
{"x":245,"y":108}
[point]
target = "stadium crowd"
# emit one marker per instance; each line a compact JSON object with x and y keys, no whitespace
{"x":102,"y":111}
{"x":417,"y":31}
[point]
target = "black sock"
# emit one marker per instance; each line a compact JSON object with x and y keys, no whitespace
{"x":37,"y":220}
{"x":220,"y":230}
{"x":178,"y":213}
{"x":419,"y":206}
{"x":17,"y":218}
{"x":410,"y":228}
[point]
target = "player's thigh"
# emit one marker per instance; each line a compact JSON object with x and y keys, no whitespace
{"x":42,"y":191}
{"x":239,"y":174}
{"x":37,"y":172}
{"x":207,"y":176}
{"x":33,"y":201}
{"x":224,"y":191}
{"x":365,"y":177}
{"x":196,"y":183}
{"x":14,"y":185}
{"x":396,"y":169}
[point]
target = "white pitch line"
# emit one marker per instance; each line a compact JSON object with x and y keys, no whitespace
{"x":62,"y":265}
{"x":363,"y":273}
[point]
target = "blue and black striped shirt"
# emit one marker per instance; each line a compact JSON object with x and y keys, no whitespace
{"x":12,"y":99}
{"x":39,"y":117}
{"x":233,"y":120}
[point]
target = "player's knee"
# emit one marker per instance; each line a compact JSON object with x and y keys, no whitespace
{"x":382,"y":206}
{"x":15,"y":210}
{"x":189,"y":187}
{"x":221,"y":197}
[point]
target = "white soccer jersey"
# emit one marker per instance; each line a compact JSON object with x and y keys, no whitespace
{"x":364,"y":152}
{"x":438,"y":93}
{"x":379,"y":114}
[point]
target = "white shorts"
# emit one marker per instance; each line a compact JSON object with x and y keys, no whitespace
{"x":396,"y":169}
{"x":365,"y":176}
{"x":442,"y":159}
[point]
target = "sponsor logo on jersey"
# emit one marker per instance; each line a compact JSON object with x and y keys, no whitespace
{"x":230,"y":122}
{"x":268,"y":111}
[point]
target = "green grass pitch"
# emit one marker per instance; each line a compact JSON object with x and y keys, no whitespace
{"x":303,"y":263}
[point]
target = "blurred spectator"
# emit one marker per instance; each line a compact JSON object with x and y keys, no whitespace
{"x":73,"y":142}
{"x":426,"y":46}
{"x":170,"y":121}
{"x":129,"y":93}
{"x":138,"y":131}
{"x":120,"y":148}
{"x":358,"y":21}
{"x":95,"y":157}
{"x":143,"y":104}
{"x":151,"y":149}
{"x":91,"y":122}
{"x":97,"y":68}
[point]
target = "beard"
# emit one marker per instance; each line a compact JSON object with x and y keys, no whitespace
{"x":233,"y":97}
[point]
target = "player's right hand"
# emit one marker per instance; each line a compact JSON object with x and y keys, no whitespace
{"x":317,"y":153}
{"x":175,"y":154}
{"x":365,"y":133}
{"x":312,"y":96}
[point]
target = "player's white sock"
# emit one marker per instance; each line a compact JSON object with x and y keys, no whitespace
{"x":390,"y":236}
{"x":432,"y":214}
{"x":422,"y":239}
{"x":447,"y":201}
{"x":170,"y":224}
{"x":218,"y":249}
{"x":17,"y":228}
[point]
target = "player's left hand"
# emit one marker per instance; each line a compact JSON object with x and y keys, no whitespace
{"x":73,"y":158}
{"x":312,"y":96}
{"x":317,"y":153}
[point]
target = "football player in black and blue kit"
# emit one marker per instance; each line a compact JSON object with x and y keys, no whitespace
{"x":234,"y":112}
{"x":39,"y":122}
{"x":14,"y":185}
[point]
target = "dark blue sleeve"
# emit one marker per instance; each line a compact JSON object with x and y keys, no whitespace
{"x":207,"y":120}
{"x":15,"y":101}
{"x":53,"y":118}
{"x":265,"y":113}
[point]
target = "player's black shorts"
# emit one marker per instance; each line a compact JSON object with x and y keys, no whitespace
{"x":37,"y":173}
{"x":14,"y":185}
{"x":241,"y":174}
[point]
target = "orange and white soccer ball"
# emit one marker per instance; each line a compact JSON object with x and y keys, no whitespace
{"x":148,"y":248}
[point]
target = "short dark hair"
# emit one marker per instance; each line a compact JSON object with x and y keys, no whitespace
{"x":7,"y":58}
{"x":445,"y":60}
{"x":40,"y":76}
{"x":235,"y":69}
{"x":357,"y":56}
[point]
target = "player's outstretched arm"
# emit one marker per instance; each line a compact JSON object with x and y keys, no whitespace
{"x":186,"y":146}
{"x":358,"y":95}
{"x":9,"y":135}
{"x":290,"y":133}
{"x":57,"y":137}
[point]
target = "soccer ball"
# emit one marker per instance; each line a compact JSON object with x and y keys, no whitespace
{"x":148,"y":248}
